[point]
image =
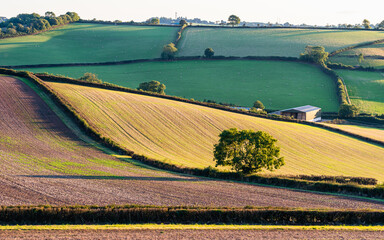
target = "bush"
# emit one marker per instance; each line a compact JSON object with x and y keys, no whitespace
{"x":152,"y":86}
{"x":90,"y":77}
{"x":169,"y":51}
{"x":208,"y":53}
{"x":258,"y":104}
{"x":347,"y":111}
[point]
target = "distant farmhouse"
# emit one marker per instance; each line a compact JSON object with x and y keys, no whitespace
{"x":306,"y":113}
{"x":3,"y":19}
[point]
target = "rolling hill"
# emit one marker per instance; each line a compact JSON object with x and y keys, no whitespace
{"x":366,"y":90}
{"x":268,"y":41}
{"x":184,"y":134}
{"x":79,"y":42}
{"x":278,"y":84}
{"x":43,"y":162}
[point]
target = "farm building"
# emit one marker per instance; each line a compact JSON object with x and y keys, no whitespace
{"x":306,"y":113}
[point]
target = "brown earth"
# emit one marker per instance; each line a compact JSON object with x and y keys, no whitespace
{"x":43,"y":162}
{"x":190,"y":234}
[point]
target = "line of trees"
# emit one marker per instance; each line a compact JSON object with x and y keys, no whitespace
{"x":24,"y":24}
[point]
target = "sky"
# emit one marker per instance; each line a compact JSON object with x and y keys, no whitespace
{"x":319,"y":12}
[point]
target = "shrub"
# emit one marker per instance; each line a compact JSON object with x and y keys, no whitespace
{"x":169,"y":51}
{"x":152,"y":86}
{"x":347,"y":111}
{"x":258,"y":104}
{"x":90,"y":77}
{"x":208,"y":53}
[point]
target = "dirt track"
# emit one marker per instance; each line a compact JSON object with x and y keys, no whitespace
{"x":42,"y":162}
{"x":190,"y":234}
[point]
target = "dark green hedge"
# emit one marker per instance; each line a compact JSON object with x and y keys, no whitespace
{"x":179,"y":215}
{"x":356,"y":46}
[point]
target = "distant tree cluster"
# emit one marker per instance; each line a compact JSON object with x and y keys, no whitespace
{"x":24,"y":24}
{"x":315,"y":54}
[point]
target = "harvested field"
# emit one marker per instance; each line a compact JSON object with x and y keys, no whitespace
{"x":190,"y":234}
{"x":79,"y":43}
{"x":366,"y":131}
{"x":278,"y":84}
{"x":43,"y":162}
{"x":268,"y":41}
{"x":184,"y":134}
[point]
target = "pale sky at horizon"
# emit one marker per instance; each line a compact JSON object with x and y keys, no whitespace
{"x":293,"y":11}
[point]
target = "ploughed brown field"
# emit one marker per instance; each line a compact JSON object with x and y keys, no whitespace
{"x":43,"y":162}
{"x":190,"y":234}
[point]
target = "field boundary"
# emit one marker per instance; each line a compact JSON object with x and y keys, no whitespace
{"x":377,"y":192}
{"x":27,"y":215}
{"x":189,"y":58}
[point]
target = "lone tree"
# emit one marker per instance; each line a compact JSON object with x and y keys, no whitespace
{"x":208,"y":53}
{"x":247,"y":151}
{"x":152,"y":86}
{"x":169,"y":51}
{"x":316,"y":54}
{"x":233,"y":20}
{"x":366,"y":24}
{"x":348,"y":111}
{"x":258,"y":104}
{"x":90,"y":77}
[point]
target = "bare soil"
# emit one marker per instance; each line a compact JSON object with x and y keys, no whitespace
{"x":190,"y":234}
{"x":43,"y":162}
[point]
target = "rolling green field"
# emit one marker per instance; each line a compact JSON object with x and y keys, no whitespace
{"x":278,"y":85}
{"x":366,"y":89}
{"x":268,"y":42}
{"x":86,"y":43}
{"x":184,"y":134}
{"x":371,"y":54}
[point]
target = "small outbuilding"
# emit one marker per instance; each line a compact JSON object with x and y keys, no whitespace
{"x":306,"y":113}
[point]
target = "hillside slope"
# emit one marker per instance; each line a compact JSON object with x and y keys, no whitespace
{"x":43,"y":162}
{"x":81,"y":42}
{"x":278,"y":84}
{"x":268,"y":41}
{"x":184,"y":134}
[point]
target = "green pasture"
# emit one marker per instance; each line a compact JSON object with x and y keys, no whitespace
{"x":354,"y":61}
{"x":268,"y":41}
{"x":366,"y":89}
{"x":277,"y":84}
{"x":86,"y":43}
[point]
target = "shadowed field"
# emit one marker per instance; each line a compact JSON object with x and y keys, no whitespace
{"x":86,"y":43}
{"x":43,"y":162}
{"x":184,"y":134}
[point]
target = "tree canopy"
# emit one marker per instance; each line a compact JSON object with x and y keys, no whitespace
{"x":154,"y":21}
{"x":182,"y":22}
{"x":233,"y":20}
{"x":366,"y":24}
{"x":316,"y":54}
{"x":90,"y":77}
{"x":152,"y":86}
{"x":208,"y":53}
{"x":247,"y":151}
{"x":258,"y":104}
{"x":169,"y":51}
{"x":348,"y":110}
